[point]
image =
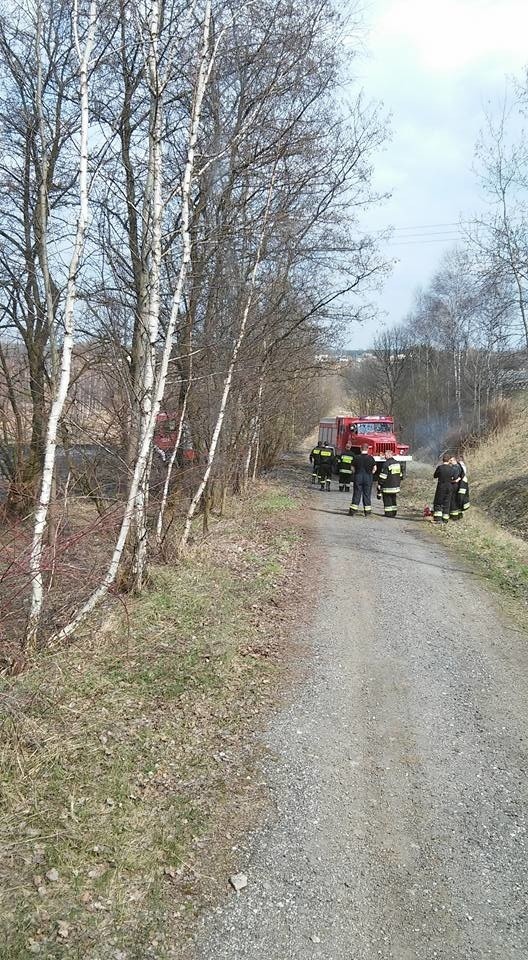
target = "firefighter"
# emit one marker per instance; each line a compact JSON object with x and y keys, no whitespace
{"x":326,"y":463}
{"x":314,"y":460}
{"x":364,"y":470}
{"x":344,"y":468}
{"x":446,"y":477}
{"x":463,"y":489}
{"x":389,"y":483}
{"x":455,"y":512}
{"x":460,"y":492}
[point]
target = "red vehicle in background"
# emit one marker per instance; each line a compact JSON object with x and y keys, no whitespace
{"x":376,"y":431}
{"x":165,"y":436}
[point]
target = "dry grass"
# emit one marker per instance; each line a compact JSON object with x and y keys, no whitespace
{"x":499,"y":472}
{"x":121,"y":755}
{"x":493,"y":534}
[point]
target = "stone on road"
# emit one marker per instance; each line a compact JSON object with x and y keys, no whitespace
{"x":398,"y":774}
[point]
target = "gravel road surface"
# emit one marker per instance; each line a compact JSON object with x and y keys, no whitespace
{"x":398,"y":773}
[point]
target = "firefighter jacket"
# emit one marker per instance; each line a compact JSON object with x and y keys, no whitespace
{"x":326,"y":457}
{"x":344,"y":462}
{"x":314,"y":455}
{"x":460,"y":498}
{"x":390,"y":476}
{"x":446,"y":475}
{"x":458,"y":473}
{"x":463,"y":487}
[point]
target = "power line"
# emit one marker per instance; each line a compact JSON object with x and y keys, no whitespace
{"x":406,"y":243}
{"x":424,"y":236}
{"x":430,"y":226}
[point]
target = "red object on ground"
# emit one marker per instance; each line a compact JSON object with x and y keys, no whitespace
{"x":375,"y":431}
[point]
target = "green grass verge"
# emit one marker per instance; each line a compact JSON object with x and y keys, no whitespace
{"x":118,"y":753}
{"x":495,"y":553}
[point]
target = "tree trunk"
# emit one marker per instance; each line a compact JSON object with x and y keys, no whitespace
{"x":228,"y":381}
{"x":146,"y":446}
{"x":57,"y":406}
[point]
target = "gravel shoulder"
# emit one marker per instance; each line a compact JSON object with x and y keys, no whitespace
{"x":397,"y":771}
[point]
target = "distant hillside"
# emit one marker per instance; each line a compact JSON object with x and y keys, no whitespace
{"x":498,"y":472}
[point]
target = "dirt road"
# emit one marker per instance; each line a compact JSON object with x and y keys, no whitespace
{"x":398,"y":773}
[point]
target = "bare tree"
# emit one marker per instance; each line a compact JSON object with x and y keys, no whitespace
{"x":158,"y":387}
{"x":39,"y":117}
{"x":501,"y":238}
{"x":84,"y":42}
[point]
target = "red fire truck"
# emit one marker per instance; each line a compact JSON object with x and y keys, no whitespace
{"x":377,"y":432}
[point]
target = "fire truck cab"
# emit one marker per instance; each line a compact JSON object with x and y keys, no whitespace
{"x":377,"y":432}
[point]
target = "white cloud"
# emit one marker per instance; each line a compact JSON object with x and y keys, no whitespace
{"x":445,"y":36}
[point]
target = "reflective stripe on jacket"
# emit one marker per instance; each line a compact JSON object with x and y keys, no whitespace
{"x":345,"y":462}
{"x":390,"y":476}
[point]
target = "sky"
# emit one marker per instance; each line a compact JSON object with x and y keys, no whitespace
{"x":437,"y":66}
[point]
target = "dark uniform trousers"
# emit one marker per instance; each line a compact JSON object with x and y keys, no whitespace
{"x":314,"y":460}
{"x":390,"y":479}
{"x":442,"y":502}
{"x":362,"y":491}
{"x":345,"y":470}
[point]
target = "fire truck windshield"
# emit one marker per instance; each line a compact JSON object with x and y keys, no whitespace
{"x":374,"y":428}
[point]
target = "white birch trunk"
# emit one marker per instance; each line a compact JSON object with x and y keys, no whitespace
{"x":146,"y":445}
{"x":154,"y":206}
{"x":57,"y":406}
{"x":42,"y":235}
{"x":227,"y":382}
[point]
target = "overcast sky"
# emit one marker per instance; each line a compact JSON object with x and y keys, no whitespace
{"x":436,"y":66}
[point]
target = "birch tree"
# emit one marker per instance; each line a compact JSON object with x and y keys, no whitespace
{"x":501,"y":237}
{"x":225,"y":244}
{"x":149,"y":320}
{"x":37,"y":117}
{"x":142,"y":462}
{"x":229,"y":377}
{"x":84,"y":42}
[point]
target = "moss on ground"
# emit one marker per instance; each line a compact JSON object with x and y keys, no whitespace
{"x":119,"y":753}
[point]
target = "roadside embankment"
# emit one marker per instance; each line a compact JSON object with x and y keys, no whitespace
{"x":493,"y":534}
{"x":499,"y":471}
{"x":128,"y":760}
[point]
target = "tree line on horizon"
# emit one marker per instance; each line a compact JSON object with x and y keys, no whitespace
{"x":445,"y":368}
